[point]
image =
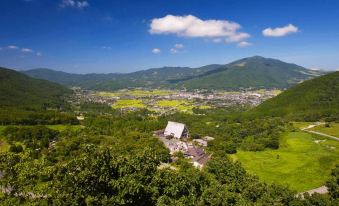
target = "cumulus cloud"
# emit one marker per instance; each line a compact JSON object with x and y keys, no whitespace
{"x":244,"y":44}
{"x":39,"y":54}
{"x":191,"y":26}
{"x":156,"y":51}
{"x":26,"y":50}
{"x":74,"y":4}
{"x":280,"y":31}
{"x":12,"y":47}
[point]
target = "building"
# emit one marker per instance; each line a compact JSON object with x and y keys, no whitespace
{"x":177,"y":130}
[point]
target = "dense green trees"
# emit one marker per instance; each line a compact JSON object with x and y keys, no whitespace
{"x":311,"y":100}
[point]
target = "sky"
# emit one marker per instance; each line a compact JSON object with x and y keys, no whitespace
{"x":108,"y":36}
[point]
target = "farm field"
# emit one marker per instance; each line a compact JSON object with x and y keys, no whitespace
{"x":333,"y":129}
{"x":303,"y":161}
{"x":125,"y":103}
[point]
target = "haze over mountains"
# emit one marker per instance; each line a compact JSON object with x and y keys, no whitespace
{"x":255,"y":72}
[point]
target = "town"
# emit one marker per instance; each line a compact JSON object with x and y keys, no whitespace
{"x":166,"y":101}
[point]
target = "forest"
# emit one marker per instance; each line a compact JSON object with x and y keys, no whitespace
{"x":113,"y":159}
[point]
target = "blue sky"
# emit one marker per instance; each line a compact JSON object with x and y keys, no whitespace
{"x":104,"y":36}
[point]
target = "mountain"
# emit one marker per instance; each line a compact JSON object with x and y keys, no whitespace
{"x":155,"y":77}
{"x":69,"y":79}
{"x":19,"y":90}
{"x":310,"y":100}
{"x":255,"y":72}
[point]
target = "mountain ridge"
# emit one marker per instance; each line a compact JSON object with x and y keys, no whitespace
{"x":256,"y":72}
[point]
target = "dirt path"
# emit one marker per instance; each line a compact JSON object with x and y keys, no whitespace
{"x":322,"y":134}
{"x":320,"y":190}
{"x":306,"y":129}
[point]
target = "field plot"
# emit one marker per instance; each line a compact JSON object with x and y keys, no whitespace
{"x":303,"y":162}
{"x":181,"y":105}
{"x":332,"y":129}
{"x":126,"y":103}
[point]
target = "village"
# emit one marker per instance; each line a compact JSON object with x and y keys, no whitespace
{"x":166,"y":101}
{"x":177,"y":139}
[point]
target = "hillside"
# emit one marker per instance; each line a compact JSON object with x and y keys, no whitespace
{"x":256,"y":72}
{"x":155,"y":77}
{"x":311,"y":100}
{"x":19,"y":90}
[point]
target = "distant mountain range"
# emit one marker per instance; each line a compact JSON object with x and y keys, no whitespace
{"x":311,"y":100}
{"x":255,"y":72}
{"x":21,"y":91}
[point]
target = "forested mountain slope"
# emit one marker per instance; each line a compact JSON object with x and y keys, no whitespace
{"x":19,"y":90}
{"x":311,"y":100}
{"x":255,"y":72}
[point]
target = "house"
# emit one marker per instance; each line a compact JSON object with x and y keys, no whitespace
{"x":200,"y":162}
{"x":177,"y":130}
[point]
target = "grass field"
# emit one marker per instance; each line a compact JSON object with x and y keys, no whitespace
{"x":126,"y":103}
{"x":301,"y":125}
{"x":302,"y":162}
{"x":332,"y":130}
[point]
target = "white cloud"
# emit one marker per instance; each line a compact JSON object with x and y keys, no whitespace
{"x":39,"y":54}
{"x":244,"y":44}
{"x":156,"y":51}
{"x":12,"y":47}
{"x":280,"y":31}
{"x":191,"y":26}
{"x":179,"y":46}
{"x":74,"y":4}
{"x":173,"y":50}
{"x":26,"y":50}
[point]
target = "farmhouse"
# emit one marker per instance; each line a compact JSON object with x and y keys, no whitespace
{"x":177,"y":130}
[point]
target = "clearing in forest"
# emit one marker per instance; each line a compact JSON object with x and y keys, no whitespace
{"x":303,"y":161}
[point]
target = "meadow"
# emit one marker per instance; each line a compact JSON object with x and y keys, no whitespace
{"x":333,"y":129}
{"x":303,"y":161}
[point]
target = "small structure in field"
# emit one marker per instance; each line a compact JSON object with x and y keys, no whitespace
{"x":177,"y":130}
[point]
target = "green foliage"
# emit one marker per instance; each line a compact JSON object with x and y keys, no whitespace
{"x":333,"y":183}
{"x":21,"y":91}
{"x":255,"y":72}
{"x":309,"y":101}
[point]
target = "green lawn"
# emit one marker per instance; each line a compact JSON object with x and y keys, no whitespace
{"x":332,"y":130}
{"x":301,"y":162}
